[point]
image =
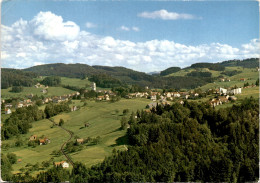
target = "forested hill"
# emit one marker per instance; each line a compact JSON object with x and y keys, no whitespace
{"x":106,"y":76}
{"x":64,"y":70}
{"x":247,"y":63}
{"x":15,"y":77}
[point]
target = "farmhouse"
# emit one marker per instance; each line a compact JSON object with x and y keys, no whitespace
{"x":223,"y":91}
{"x":215,"y":102}
{"x":74,"y":108}
{"x":44,"y":91}
{"x":8,"y":105}
{"x":64,"y":164}
{"x":19,"y":105}
{"x":80,"y":141}
{"x":33,"y":137}
{"x":223,"y":99}
{"x":8,"y":111}
{"x":100,"y":97}
{"x":236,"y":91}
{"x":44,"y":141}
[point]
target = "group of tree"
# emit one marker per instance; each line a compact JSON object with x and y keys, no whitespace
{"x":199,"y":74}
{"x":51,"y":81}
{"x":211,"y":66}
{"x":15,"y":77}
{"x":16,"y":89}
{"x":54,"y":109}
{"x":246,"y":63}
{"x":231,"y":73}
{"x":105,"y":81}
{"x":170,"y":70}
{"x":21,"y":120}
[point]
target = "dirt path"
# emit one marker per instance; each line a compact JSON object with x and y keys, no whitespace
{"x":63,"y":145}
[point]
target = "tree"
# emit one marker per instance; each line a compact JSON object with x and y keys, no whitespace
{"x":12,"y":158}
{"x":61,"y":123}
{"x":125,"y":111}
{"x":17,"y":89}
{"x":124,"y":123}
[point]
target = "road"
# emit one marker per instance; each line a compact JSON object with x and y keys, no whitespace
{"x":64,"y":144}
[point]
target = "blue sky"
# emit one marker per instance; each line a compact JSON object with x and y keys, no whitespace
{"x":162,"y":33}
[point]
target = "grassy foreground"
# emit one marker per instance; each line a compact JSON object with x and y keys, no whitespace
{"x":104,"y":119}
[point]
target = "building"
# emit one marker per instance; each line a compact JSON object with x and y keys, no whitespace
{"x":64,"y":164}
{"x":8,"y":111}
{"x":242,"y":79}
{"x":235,"y":91}
{"x":19,"y":105}
{"x":153,"y":97}
{"x":223,"y":91}
{"x":74,"y":108}
{"x":33,"y":137}
{"x":44,"y":141}
{"x":44,"y":91}
{"x":94,"y":86}
{"x":80,"y":141}
{"x":8,"y":105}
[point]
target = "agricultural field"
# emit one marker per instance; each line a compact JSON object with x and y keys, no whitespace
{"x":251,"y":75}
{"x":52,"y":91}
{"x":104,"y":121}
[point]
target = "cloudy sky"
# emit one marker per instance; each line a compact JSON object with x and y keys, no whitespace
{"x":141,"y":35}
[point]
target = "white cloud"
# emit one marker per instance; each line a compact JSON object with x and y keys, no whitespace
{"x":136,"y":29}
{"x":124,"y":28}
{"x":90,"y":25}
{"x":165,"y":15}
{"x":49,"y":26}
{"x":29,"y":43}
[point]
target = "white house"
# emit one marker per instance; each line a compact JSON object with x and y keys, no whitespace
{"x":236,"y":91}
{"x":222,"y":90}
{"x":64,"y":164}
{"x":153,"y":97}
{"x":176,"y":94}
{"x":94,"y":86}
{"x":8,"y":111}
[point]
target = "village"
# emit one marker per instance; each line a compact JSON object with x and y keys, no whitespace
{"x":221,"y":96}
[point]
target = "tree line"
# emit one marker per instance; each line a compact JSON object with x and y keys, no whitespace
{"x":21,"y":120}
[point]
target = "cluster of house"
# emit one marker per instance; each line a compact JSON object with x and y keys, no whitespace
{"x":44,"y":88}
{"x":24,"y":103}
{"x":167,"y":95}
{"x":41,"y":141}
{"x":221,"y":100}
{"x":29,"y":102}
{"x":233,"y":91}
{"x":225,"y":80}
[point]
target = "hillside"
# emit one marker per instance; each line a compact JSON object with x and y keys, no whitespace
{"x":199,"y":74}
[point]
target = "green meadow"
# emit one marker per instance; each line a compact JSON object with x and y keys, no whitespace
{"x":52,"y":91}
{"x":104,"y":121}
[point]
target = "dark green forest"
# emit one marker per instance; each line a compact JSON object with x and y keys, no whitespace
{"x":170,"y":71}
{"x":15,"y":77}
{"x":246,"y":63}
{"x":178,"y":143}
{"x":21,"y":120}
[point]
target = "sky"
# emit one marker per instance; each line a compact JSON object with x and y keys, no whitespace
{"x":141,"y":35}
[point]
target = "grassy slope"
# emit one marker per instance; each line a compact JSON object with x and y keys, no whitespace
{"x":251,"y":75}
{"x":52,"y":91}
{"x":104,"y":122}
